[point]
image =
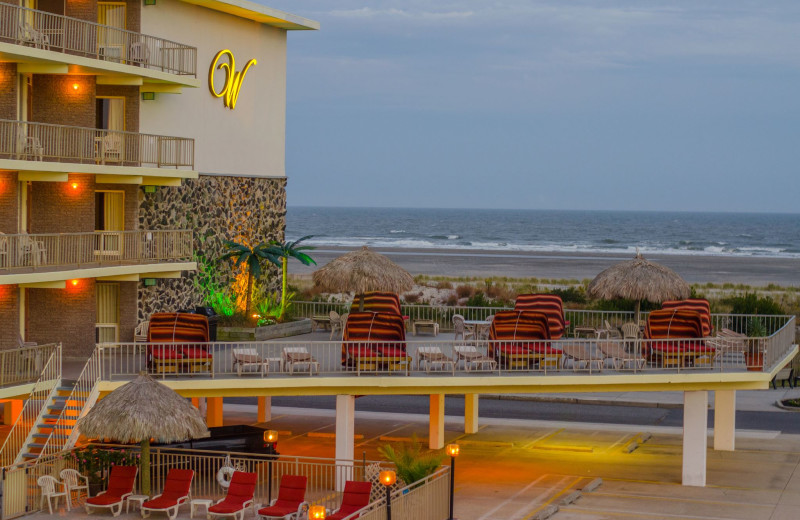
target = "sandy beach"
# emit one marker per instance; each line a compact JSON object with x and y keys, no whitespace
{"x":753,"y":271}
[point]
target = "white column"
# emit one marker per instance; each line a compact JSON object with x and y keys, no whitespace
{"x":724,"y":420}
{"x":436,"y":432}
{"x":471,"y":413}
{"x":264,"y":408}
{"x":345,"y":438}
{"x":695,"y":435}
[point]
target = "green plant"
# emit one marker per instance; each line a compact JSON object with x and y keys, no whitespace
{"x":95,"y":463}
{"x":269,"y":309}
{"x":279,"y":253}
{"x":411,"y":463}
{"x":751,"y":303}
{"x":251,"y":257}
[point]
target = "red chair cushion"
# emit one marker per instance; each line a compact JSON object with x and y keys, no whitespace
{"x":292,"y":490}
{"x":104,"y":500}
{"x":392,"y":352}
{"x":196,"y":353}
{"x":512,"y":350}
{"x":166,"y":353}
{"x":241,"y":489}
{"x":161,"y":502}
{"x":226,"y":507}
{"x":279,"y":510}
{"x":361,"y":352}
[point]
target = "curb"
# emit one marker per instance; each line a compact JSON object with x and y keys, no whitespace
{"x":782,"y":406}
{"x":579,"y":400}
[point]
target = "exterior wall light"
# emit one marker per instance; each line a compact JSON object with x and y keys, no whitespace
{"x":388,"y":478}
{"x":149,"y":2}
{"x":74,"y":283}
{"x":316,"y":512}
{"x":271,"y":436}
{"x":74,"y":185}
{"x":148,"y":96}
{"x":149,"y":282}
{"x":75,"y":86}
{"x":149,"y":189}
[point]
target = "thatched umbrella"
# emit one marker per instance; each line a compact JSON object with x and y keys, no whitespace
{"x":639,"y":279}
{"x":141,"y":410}
{"x":361,"y":271}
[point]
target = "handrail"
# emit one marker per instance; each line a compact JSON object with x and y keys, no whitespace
{"x":47,"y":250}
{"x":30,"y":141}
{"x":22,"y":365}
{"x":35,"y":405}
{"x":58,"y":33}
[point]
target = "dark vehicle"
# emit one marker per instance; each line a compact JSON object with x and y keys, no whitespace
{"x":239,"y":438}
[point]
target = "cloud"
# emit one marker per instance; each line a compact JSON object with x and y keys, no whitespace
{"x":367,"y":12}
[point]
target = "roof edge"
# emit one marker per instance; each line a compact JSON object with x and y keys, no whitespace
{"x":259,"y":13}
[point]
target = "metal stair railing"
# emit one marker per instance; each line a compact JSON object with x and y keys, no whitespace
{"x":35,"y":407}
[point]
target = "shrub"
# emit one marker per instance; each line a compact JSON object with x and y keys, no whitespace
{"x":750,"y":303}
{"x":411,"y":463}
{"x":465,"y":291}
{"x":571,"y":294}
{"x":95,"y":463}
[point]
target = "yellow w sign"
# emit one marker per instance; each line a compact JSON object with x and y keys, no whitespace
{"x":233,"y":79}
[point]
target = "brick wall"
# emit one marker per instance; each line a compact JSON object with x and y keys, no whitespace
{"x":65,"y":315}
{"x":9,"y":316}
{"x":131,"y":95}
{"x":8,"y":202}
{"x":82,"y":9}
{"x":131,"y":203}
{"x":133,"y":12}
{"x":8,"y":91}
{"x":56,"y":101}
{"x":57,"y":207}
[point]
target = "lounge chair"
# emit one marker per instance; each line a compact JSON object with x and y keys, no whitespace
{"x":72,"y":482}
{"x":619,"y":357}
{"x":299,"y":357}
{"x":240,"y":496}
{"x":579,"y":357}
{"x":120,"y":487}
{"x":50,"y":493}
{"x":290,"y":501}
{"x":433,"y":356}
{"x":177,"y":490}
{"x":729,"y":343}
{"x":677,"y":339}
{"x":608,"y":331}
{"x":470,"y":355}
{"x":248,"y":358}
{"x":354,"y":499}
{"x":550,"y":305}
{"x":374,"y":340}
{"x":520,"y":339}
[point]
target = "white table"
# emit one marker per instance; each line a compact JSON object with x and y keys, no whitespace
{"x":136,"y":499}
{"x":199,"y":502}
{"x":475,"y":326}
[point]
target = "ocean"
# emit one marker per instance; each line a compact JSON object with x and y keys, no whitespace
{"x":714,"y":234}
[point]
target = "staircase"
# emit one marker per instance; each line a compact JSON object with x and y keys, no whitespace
{"x":56,"y":422}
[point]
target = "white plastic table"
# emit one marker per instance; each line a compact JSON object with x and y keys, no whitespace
{"x":199,"y":502}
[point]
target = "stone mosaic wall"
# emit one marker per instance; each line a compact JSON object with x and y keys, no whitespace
{"x":216,"y":209}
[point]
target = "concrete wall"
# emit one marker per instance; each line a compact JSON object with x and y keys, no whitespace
{"x":66,"y":315}
{"x":248,"y":140}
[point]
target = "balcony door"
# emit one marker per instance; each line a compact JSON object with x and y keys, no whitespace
{"x":110,"y":116}
{"x":109,"y":215}
{"x":107,"y":325}
{"x":111,"y":40}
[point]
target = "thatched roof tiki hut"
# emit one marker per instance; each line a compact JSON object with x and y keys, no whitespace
{"x":638,"y":280}
{"x":141,"y":410}
{"x":362,"y":271}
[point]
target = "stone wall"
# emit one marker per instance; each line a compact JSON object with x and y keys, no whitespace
{"x":242,"y":209}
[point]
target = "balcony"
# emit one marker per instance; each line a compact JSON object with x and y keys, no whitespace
{"x":43,"y":36}
{"x":64,"y":253}
{"x":27,"y":146}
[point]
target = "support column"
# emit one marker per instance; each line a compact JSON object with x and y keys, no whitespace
{"x":724,"y":420}
{"x":695,"y":435}
{"x":11,"y":410}
{"x":264,"y":408}
{"x":471,"y":413}
{"x":345,"y":438}
{"x":214,"y":411}
{"x":436,"y":431}
{"x":196,"y":402}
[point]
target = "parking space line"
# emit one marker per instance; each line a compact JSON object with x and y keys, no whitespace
{"x":544,"y":437}
{"x":637,"y":515}
{"x":553,"y":498}
{"x":499,"y":506}
{"x":522,"y":512}
{"x":310,"y":431}
{"x":378,"y":437}
{"x":621,"y":440}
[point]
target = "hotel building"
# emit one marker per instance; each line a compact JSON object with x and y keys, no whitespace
{"x":135,"y":137}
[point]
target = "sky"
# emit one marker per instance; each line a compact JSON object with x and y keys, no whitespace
{"x":545,"y":104}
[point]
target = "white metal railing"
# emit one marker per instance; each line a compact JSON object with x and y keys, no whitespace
{"x":24,"y":365}
{"x":45,"y":386}
{"x":54,"y":32}
{"x":29,"y":141}
{"x":36,"y":251}
{"x":593,"y":355}
{"x":427,"y":499}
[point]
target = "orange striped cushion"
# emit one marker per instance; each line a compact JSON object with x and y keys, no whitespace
{"x":698,"y":305}
{"x":377,"y":301}
{"x":385,"y":329}
{"x":173,"y":327}
{"x":548,"y":304}
{"x":515,"y":326}
{"x":674,"y":323}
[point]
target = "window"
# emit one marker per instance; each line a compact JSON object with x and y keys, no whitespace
{"x":107,"y":325}
{"x":111,"y":16}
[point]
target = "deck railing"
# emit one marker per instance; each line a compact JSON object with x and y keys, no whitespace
{"x":24,"y":365}
{"x":29,"y":141}
{"x":426,"y":500}
{"x":585,"y":355}
{"x":54,"y":32}
{"x":26,"y":252}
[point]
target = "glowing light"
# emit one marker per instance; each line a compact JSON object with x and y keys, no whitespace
{"x":74,"y":283}
{"x":453,"y":450}
{"x":271,"y":436}
{"x":316,"y":512}
{"x":388,"y":477}
{"x":233,"y":79}
{"x":74,"y":185}
{"x":75,"y":86}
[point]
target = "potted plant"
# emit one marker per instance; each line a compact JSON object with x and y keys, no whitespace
{"x":96,"y":463}
{"x":754,"y":355}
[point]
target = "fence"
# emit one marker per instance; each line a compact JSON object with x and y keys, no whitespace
{"x":426,"y":500}
{"x":24,"y":365}
{"x":25,"y":140}
{"x":54,"y":32}
{"x":97,"y":248}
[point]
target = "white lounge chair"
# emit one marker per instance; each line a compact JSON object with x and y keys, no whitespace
{"x":470,"y":355}
{"x":247,"y":358}
{"x":433,"y":356}
{"x":299,"y":357}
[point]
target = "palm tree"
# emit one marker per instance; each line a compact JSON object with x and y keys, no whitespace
{"x":279,"y":253}
{"x":250,"y":256}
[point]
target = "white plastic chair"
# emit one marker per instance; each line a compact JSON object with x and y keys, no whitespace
{"x":48,"y":485}
{"x":72,"y":482}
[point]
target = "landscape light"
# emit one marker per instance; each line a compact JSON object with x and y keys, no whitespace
{"x":271,"y":436}
{"x":316,"y":512}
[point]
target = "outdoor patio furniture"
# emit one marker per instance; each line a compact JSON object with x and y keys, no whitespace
{"x":72,"y":482}
{"x":729,"y":343}
{"x":608,"y":331}
{"x":520,"y":339}
{"x":470,"y":356}
{"x":244,"y":358}
{"x":50,"y":492}
{"x":699,"y":305}
{"x":354,"y":499}
{"x":240,"y":496}
{"x":460,"y":328}
{"x":120,"y":486}
{"x":336,"y":323}
{"x":784,"y":375}
{"x":177,"y":490}
{"x":139,"y":53}
{"x":579,"y":357}
{"x":433,"y":356}
{"x":177,"y":343}
{"x":29,"y":35}
{"x":373,"y":340}
{"x":677,"y":339}
{"x":291,"y":499}
{"x":550,"y":305}
{"x":321,"y":322}
{"x":429,"y":326}
{"x":140,"y":333}
{"x":620,"y":358}
{"x":299,"y":357}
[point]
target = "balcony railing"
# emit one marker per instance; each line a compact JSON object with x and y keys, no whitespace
{"x":53,"y":32}
{"x":26,"y":252}
{"x":24,"y":140}
{"x":447,"y":358}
